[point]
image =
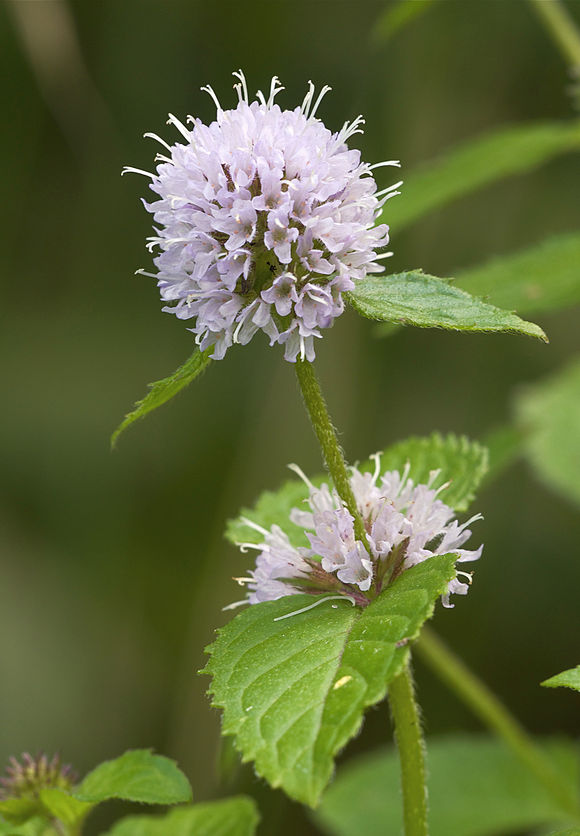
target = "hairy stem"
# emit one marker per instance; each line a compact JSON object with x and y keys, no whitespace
{"x":494,"y":714}
{"x":411,"y":748}
{"x":326,"y":435}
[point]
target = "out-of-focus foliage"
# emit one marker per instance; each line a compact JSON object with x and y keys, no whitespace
{"x":481,"y":162}
{"x":542,"y":278}
{"x":549,"y":414}
{"x":231,"y":817}
{"x":476,"y":788}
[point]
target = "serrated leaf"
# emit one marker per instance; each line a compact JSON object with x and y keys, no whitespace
{"x":477,"y":787}
{"x":566,"y":679}
{"x":162,"y":391}
{"x":415,"y":298}
{"x":293,"y":692}
{"x":549,"y":415}
{"x":462,"y":462}
{"x":476,"y":163}
{"x":138,"y":775}
{"x":232,"y":817}
{"x":542,"y":278}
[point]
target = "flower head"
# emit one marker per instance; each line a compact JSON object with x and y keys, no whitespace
{"x":28,"y":776}
{"x":404,"y":524}
{"x":264,"y":219}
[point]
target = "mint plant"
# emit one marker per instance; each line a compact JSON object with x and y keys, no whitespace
{"x":268,"y":221}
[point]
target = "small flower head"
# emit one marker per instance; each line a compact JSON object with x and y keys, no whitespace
{"x":26,"y":777}
{"x":404,"y":523}
{"x":264,"y":219}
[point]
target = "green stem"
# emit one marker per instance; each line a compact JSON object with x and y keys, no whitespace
{"x":326,"y":435}
{"x":494,"y":714}
{"x":562,"y":27}
{"x":411,"y":748}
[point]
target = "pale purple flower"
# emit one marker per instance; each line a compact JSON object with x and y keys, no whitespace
{"x":264,"y":219}
{"x":405,"y":524}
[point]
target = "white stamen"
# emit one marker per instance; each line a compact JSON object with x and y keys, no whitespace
{"x":383,"y":255}
{"x":275,"y":88}
{"x":377,"y":460}
{"x":326,"y":89}
{"x":396,"y":163}
{"x":389,"y":189}
{"x":245,"y":547}
{"x":255,"y":526}
{"x":305,"y":106}
{"x":128,"y":169}
{"x":173,"y":120}
{"x":316,"y":604}
{"x":261,"y":99}
{"x":210,"y":91}
{"x":150,"y":135}
{"x":241,"y":88}
{"x":235,"y":605}
{"x":299,"y":472}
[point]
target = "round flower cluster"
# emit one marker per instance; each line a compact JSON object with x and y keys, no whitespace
{"x":264,"y":219}
{"x":405,"y":524}
{"x":27,"y":777}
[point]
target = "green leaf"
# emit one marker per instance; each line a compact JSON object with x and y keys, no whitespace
{"x":138,"y":775}
{"x":542,"y":278}
{"x":19,"y":810}
{"x":477,"y":787}
{"x":476,"y":163}
{"x":415,"y":298}
{"x":566,"y":679}
{"x":162,"y":391}
{"x":549,"y":415}
{"x":396,"y":16}
{"x":293,"y":691}
{"x":62,"y":806}
{"x":463,"y":463}
{"x":232,"y":817}
{"x":33,"y":827}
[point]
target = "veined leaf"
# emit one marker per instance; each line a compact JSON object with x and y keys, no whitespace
{"x":462,"y":462}
{"x":138,"y":775}
{"x":479,"y":162}
{"x":293,"y":691}
{"x":162,"y":391}
{"x":477,"y":787}
{"x":232,"y":817}
{"x":542,"y":278}
{"x":549,"y":415}
{"x":415,"y":298}
{"x":566,"y":679}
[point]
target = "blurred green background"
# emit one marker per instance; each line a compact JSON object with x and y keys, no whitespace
{"x":113,"y":565}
